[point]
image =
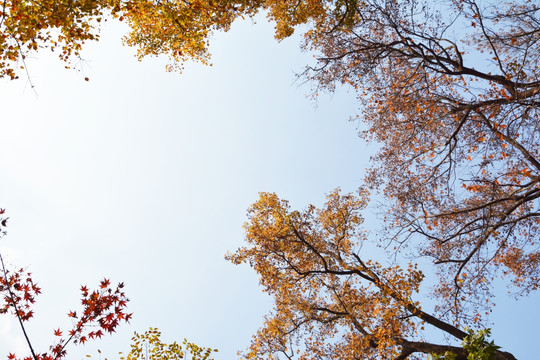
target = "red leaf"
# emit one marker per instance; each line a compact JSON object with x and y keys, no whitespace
{"x":104,"y":283}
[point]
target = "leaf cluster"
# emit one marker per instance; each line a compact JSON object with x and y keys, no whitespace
{"x":149,"y":346}
{"x":477,"y":346}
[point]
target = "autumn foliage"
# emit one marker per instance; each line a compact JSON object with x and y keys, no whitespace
{"x":103,"y":310}
{"x":150,"y":346}
{"x":449,"y":92}
{"x":330,"y":301}
{"x":178,"y":29}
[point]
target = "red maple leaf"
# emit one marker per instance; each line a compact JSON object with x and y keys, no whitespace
{"x":104,"y":283}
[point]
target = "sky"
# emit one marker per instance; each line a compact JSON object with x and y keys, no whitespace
{"x":144,"y":177}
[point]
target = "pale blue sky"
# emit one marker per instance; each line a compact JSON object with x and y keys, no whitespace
{"x":145,"y":176}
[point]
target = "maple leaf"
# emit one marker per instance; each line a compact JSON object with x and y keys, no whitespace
{"x":104,"y":283}
{"x":28,"y":315}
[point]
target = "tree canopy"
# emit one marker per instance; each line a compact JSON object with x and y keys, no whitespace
{"x":451,"y":95}
{"x":178,"y":29}
{"x":330,"y":301}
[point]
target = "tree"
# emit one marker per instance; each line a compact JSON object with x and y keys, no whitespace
{"x":102,"y":311}
{"x":330,"y":301}
{"x":451,"y":94}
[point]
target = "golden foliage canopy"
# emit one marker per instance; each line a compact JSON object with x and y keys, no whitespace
{"x":330,"y":301}
{"x":178,"y":29}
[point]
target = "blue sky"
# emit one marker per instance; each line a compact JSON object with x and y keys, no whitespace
{"x":144,"y":176}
